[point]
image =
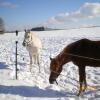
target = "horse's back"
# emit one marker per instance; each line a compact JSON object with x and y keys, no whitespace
{"x":84,"y":47}
{"x":85,"y":52}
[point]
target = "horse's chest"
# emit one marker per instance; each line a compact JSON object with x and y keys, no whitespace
{"x":32,"y":49}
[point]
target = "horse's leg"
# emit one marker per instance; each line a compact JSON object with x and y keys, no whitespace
{"x":38,"y":61}
{"x":84,"y":78}
{"x":81,"y":78}
{"x":34,"y":59}
{"x":85,"y":82}
{"x":30,"y":61}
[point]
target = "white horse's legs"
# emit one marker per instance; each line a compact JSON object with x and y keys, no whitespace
{"x":36,"y":60}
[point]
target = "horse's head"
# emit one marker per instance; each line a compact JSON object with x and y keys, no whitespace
{"x":27,"y":38}
{"x":55,"y":70}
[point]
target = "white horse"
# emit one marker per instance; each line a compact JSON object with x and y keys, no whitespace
{"x":34,"y":45}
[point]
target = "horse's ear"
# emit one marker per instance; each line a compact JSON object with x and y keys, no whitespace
{"x":51,"y":58}
{"x":25,"y":30}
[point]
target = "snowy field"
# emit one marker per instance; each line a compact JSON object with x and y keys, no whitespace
{"x":35,"y":85}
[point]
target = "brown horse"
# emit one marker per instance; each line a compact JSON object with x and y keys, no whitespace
{"x":82,"y":53}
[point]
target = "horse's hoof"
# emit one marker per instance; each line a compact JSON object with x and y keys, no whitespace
{"x":83,"y":90}
{"x":78,"y":94}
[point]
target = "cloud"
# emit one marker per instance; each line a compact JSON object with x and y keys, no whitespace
{"x":8,"y":5}
{"x":87,"y":11}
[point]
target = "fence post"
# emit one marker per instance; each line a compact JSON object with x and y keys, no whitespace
{"x":16,"y":69}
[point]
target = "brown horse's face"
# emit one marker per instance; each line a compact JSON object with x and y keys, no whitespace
{"x":55,"y":70}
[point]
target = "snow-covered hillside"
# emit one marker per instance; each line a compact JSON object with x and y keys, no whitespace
{"x":35,"y":85}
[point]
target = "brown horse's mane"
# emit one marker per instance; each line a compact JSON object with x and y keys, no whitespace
{"x":61,"y":57}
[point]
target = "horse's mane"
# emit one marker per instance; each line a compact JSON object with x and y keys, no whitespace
{"x":36,"y":39}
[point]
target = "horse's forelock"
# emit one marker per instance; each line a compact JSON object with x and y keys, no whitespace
{"x":27,"y":33}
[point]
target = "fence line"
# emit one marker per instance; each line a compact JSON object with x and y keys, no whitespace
{"x":84,"y":57}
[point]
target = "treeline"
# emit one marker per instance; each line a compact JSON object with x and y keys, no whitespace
{"x":42,"y":28}
{"x":2,"y":28}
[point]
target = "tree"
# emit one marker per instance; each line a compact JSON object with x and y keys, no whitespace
{"x":2,"y":28}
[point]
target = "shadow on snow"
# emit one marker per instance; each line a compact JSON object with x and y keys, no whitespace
{"x":3,"y":65}
{"x":28,"y":91}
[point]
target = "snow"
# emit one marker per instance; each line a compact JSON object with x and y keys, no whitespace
{"x":34,"y":85}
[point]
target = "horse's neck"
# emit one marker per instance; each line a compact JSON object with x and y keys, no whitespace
{"x":61,"y":58}
{"x":34,"y":35}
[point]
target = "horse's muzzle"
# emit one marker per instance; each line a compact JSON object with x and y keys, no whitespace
{"x":51,"y":81}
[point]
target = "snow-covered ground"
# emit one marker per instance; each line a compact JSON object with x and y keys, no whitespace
{"x":35,"y":85}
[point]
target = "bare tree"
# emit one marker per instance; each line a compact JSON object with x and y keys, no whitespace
{"x":2,"y":28}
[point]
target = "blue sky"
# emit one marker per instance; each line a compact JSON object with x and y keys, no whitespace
{"x":20,"y":14}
